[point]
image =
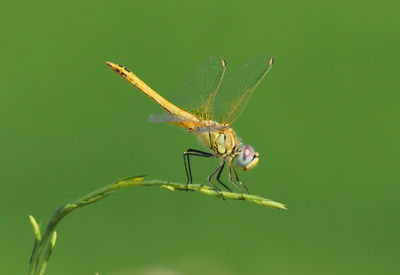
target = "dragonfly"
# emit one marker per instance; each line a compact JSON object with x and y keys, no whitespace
{"x":209,"y":101}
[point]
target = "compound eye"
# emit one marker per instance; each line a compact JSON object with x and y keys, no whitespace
{"x":246,"y":156}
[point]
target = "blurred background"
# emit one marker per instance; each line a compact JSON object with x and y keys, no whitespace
{"x":325,"y":122}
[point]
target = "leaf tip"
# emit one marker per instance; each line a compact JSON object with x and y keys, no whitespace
{"x":36,"y":227}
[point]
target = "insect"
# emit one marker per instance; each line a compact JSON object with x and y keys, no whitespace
{"x":210,"y":101}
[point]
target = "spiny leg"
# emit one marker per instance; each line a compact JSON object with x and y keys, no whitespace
{"x":219,"y":177}
{"x":239,"y":181}
{"x":218,"y":169}
{"x":231,"y":180}
{"x":186,"y":160}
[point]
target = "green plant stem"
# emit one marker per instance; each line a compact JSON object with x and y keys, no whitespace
{"x":37,"y":264}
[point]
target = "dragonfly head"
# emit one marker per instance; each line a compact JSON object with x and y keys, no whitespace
{"x":247,"y":159}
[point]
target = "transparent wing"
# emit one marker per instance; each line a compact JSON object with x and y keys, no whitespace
{"x":165,"y":117}
{"x":238,"y":86}
{"x":197,"y":93}
{"x":197,"y":126}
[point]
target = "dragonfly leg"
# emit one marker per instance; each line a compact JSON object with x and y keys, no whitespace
{"x":240,"y":188}
{"x":239,"y":181}
{"x":186,"y":160}
{"x":219,"y":169}
{"x":219,"y":177}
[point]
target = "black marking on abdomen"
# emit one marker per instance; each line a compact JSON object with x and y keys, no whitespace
{"x":124,"y":68}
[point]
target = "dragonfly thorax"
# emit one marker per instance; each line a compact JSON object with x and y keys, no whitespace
{"x":226,"y":144}
{"x":223,"y":141}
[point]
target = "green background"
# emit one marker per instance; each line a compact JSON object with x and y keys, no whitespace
{"x":325,"y":121}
